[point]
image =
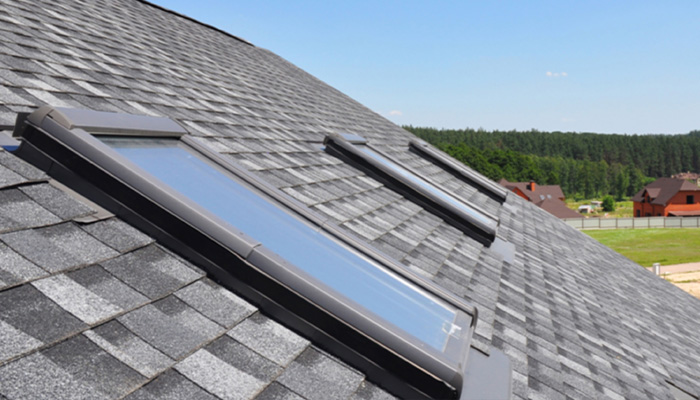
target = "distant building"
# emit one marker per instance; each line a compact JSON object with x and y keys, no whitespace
{"x":585,"y":209}
{"x":688,"y":176}
{"x":668,"y":197}
{"x":549,"y":197}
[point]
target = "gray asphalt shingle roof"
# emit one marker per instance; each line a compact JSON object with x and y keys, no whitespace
{"x":80,"y":302}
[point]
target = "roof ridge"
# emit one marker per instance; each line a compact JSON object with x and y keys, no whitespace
{"x":146,"y":2}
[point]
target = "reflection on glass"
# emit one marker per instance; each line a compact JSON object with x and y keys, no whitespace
{"x":342,"y":269}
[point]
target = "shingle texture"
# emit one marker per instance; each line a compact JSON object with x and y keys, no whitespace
{"x":102,"y":311}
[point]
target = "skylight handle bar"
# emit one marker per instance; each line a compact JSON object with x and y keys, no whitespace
{"x":484,"y":233}
{"x":485,"y":186}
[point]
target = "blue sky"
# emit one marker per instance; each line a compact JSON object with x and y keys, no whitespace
{"x":584,"y":66}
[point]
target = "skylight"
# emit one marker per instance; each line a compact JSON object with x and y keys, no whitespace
{"x":397,"y":328}
{"x":478,"y":224}
{"x":343,"y":270}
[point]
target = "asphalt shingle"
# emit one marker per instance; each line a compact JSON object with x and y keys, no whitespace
{"x":171,"y":326}
{"x":76,"y":299}
{"x":124,"y":345}
{"x":35,"y":319}
{"x":275,"y":391}
{"x":269,"y":339}
{"x":171,"y":385}
{"x":314,"y":375}
{"x":19,"y":211}
{"x":56,"y":201}
{"x":58,"y":248}
{"x":228,"y":370}
{"x":15,"y":269}
{"x":215,"y":302}
{"x":88,"y":364}
{"x":151,"y":271}
{"x":14,"y":166}
{"x":117,"y":235}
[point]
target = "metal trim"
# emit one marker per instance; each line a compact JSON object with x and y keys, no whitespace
{"x":485,"y":186}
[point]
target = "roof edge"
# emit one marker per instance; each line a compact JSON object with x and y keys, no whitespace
{"x":146,"y":2}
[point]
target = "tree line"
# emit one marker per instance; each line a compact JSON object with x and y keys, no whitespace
{"x":586,"y":165}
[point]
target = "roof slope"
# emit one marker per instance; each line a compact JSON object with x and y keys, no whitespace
{"x":576,"y":319}
{"x":558,"y":208}
{"x":663,"y":189}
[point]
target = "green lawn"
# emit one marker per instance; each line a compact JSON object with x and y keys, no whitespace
{"x":623,"y":209}
{"x":647,"y":246}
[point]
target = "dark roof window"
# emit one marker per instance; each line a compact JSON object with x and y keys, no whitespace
{"x":478,"y":224}
{"x":407,"y":337}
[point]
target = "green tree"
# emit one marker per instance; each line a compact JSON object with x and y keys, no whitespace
{"x":608,"y":203}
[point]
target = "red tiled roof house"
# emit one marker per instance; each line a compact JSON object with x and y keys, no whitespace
{"x":667,"y":197}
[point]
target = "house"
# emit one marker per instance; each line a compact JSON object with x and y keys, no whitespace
{"x":548,"y":197}
{"x":668,"y":197}
{"x":101,"y":299}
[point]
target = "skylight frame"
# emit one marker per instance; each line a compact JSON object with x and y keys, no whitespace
{"x":482,"y":184}
{"x":429,"y":196}
{"x":74,"y":140}
{"x":456,"y":212}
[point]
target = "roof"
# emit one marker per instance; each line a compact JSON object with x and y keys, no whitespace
{"x":663,"y":189}
{"x":541,"y":192}
{"x":558,"y":208}
{"x":547,"y":197}
{"x":685,"y":213}
{"x":126,"y":317}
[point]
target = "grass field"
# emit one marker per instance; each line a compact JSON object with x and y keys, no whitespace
{"x":647,"y":246}
{"x":623,"y":209}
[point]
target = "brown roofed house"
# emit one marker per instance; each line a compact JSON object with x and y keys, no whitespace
{"x":549,"y":197}
{"x":667,"y":197}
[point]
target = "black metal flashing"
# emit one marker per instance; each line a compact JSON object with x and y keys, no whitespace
{"x":238,"y":261}
{"x":483,"y":185}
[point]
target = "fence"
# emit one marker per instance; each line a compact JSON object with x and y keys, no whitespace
{"x":634,"y":223}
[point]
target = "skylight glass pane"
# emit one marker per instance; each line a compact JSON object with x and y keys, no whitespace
{"x":342,"y":269}
{"x":419,"y":182}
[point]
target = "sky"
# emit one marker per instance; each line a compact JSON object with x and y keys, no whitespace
{"x":581,"y":66}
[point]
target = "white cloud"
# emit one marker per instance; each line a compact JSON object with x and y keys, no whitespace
{"x":395,"y":112}
{"x":556,"y":74}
